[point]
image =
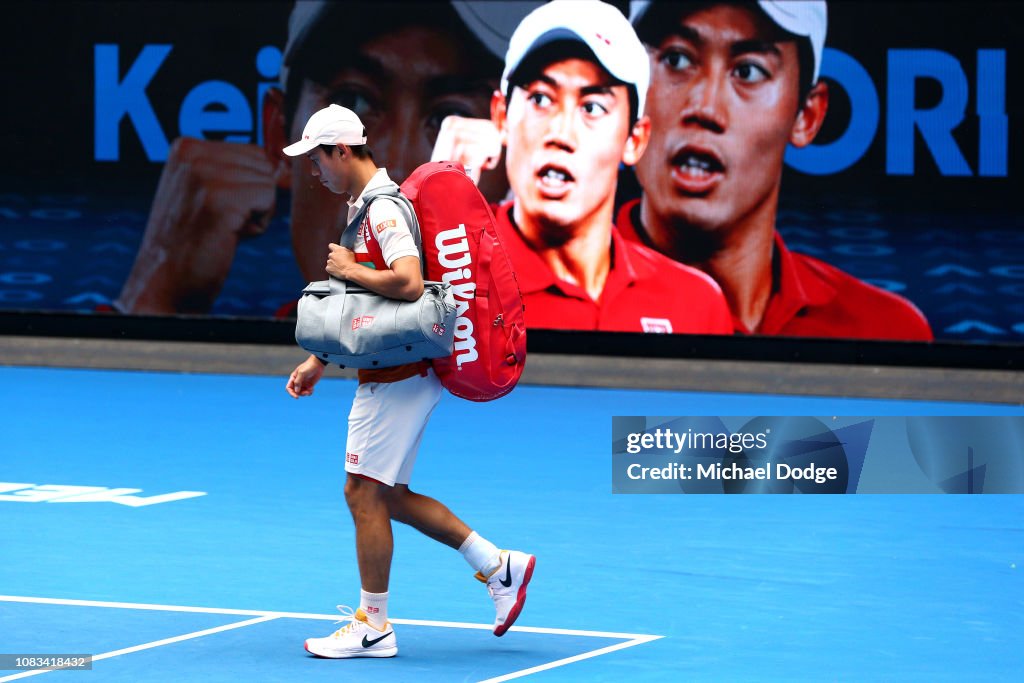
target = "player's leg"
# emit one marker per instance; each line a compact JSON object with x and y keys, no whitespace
{"x":506,"y":573}
{"x":368,"y":632}
{"x":427,"y":515}
{"x":383,"y":430}
{"x":367,"y":502}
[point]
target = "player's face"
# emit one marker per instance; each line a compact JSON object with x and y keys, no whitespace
{"x":723,"y":104}
{"x":565,"y":134}
{"x":329,"y":169}
{"x":401,"y":86}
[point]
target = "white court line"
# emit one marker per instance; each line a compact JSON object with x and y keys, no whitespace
{"x":310,"y":615}
{"x":569,"y":660}
{"x":147,"y":646}
{"x":632,"y":639}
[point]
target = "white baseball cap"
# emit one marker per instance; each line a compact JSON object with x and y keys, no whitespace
{"x":801,"y":18}
{"x":599,"y":26}
{"x":329,"y":126}
{"x":804,"y":18}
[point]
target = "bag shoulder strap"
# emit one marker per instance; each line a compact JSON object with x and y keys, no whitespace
{"x":348,"y":235}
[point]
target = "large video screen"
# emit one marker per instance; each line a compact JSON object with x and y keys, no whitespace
{"x":844,"y":172}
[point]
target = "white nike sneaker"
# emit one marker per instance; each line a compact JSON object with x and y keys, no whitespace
{"x":507,"y":586}
{"x":355,"y":639}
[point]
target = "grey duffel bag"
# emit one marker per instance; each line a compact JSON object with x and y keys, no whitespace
{"x":341,"y":322}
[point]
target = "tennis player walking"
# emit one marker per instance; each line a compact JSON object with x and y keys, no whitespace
{"x":391,"y":408}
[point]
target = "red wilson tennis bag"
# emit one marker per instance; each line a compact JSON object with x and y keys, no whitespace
{"x":461,"y":248}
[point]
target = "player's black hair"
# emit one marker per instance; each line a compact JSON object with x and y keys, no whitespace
{"x":325,"y":51}
{"x":663,"y":16}
{"x":361,"y":151}
{"x":533,"y":64}
{"x":358,"y":151}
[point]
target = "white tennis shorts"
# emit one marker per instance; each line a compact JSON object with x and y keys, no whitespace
{"x":386,"y":425}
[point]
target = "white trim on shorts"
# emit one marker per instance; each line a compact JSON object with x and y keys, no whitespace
{"x":386,"y":425}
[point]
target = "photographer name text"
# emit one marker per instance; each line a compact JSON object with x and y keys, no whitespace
{"x":733,"y":472}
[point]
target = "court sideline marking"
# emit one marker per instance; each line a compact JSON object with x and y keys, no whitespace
{"x":260,"y":616}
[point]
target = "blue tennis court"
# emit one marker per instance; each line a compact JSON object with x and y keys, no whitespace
{"x":192,"y":527}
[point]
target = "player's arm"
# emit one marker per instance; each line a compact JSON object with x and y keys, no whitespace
{"x":304,"y":377}
{"x":403,"y":280}
{"x":211,"y":194}
{"x":474,"y":143}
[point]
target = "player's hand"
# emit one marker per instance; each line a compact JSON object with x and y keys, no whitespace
{"x":304,"y":378}
{"x":210,"y":195}
{"x":474,"y":143}
{"x":339,"y":260}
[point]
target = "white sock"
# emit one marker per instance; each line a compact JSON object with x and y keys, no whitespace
{"x":375,"y":605}
{"x":482,"y":555}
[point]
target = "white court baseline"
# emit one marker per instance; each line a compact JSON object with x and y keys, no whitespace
{"x":258,"y":617}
